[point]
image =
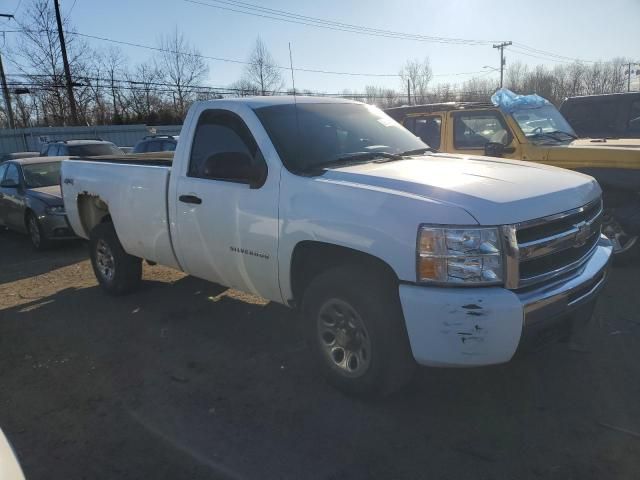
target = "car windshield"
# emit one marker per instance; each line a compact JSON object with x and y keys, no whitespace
{"x":544,"y":123}
{"x":41,"y":174}
{"x":94,"y":149}
{"x":330,"y":134}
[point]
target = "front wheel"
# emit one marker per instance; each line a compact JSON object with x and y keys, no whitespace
{"x":357,"y":331}
{"x":625,"y":245}
{"x":36,"y":234}
{"x":117,"y":272}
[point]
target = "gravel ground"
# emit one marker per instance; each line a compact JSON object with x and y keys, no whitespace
{"x":187,"y":380}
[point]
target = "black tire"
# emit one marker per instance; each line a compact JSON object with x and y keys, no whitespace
{"x":383,"y":344}
{"x":626,"y":247}
{"x":39,"y":240}
{"x":117,"y":272}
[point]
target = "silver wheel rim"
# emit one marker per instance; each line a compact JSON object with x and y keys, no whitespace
{"x":622,"y":242}
{"x":344,"y":338}
{"x":104,"y":260}
{"x":34,"y":231}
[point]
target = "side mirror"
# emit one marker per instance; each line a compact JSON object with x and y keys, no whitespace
{"x":493,"y":149}
{"x":235,"y":167}
{"x":9,"y":184}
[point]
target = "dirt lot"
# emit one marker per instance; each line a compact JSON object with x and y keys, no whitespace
{"x":185,"y":380}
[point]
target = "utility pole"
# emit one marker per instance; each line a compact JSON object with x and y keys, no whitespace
{"x":67,"y":70}
{"x":502,"y":61}
{"x":5,"y":89}
{"x":408,"y":91}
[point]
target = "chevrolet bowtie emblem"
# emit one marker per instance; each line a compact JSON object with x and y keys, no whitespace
{"x":583,"y":233}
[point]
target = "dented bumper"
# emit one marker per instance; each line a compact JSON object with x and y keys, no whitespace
{"x":460,"y":327}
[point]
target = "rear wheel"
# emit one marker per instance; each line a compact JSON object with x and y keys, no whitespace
{"x":36,"y":234}
{"x":357,"y":331}
{"x":117,"y":272}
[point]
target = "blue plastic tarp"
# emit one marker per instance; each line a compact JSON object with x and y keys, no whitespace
{"x":509,"y":102}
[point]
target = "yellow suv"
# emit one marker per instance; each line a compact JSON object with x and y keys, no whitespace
{"x":536,"y":131}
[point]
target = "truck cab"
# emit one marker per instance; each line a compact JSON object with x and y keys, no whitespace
{"x":537,"y":134}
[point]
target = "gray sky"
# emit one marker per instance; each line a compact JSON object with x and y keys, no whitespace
{"x":587,"y":30}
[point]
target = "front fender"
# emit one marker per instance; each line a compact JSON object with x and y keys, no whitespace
{"x":378,"y":222}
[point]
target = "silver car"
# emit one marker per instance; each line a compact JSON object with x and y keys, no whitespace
{"x":31,"y":200}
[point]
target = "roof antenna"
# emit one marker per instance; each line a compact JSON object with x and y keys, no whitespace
{"x":293,"y":80}
{"x":295,"y":101}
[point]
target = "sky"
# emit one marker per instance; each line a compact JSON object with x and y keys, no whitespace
{"x":569,"y":28}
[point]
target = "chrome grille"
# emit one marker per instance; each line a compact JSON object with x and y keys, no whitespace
{"x":555,"y":245}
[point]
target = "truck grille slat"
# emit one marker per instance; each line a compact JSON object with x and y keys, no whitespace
{"x":557,"y":244}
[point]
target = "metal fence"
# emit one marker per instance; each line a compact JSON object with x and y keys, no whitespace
{"x":31,"y":139}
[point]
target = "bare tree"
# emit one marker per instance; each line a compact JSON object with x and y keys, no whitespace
{"x":115,"y":66}
{"x":182,"y":67}
{"x":263,"y":71}
{"x":418,"y":73}
{"x":244,"y":88}
{"x":144,"y":97}
{"x":37,"y":54}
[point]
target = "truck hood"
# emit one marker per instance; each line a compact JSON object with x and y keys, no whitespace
{"x":584,"y":154}
{"x":50,"y":195}
{"x":494,"y":191}
{"x":607,"y":142}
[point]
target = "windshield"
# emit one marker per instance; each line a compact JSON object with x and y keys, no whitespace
{"x":94,"y":149}
{"x":333,"y":132}
{"x":545,"y":123}
{"x":41,"y":174}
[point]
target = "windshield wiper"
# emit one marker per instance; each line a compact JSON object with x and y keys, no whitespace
{"x":356,"y":157}
{"x":554,"y":135}
{"x":417,"y":151}
{"x":565,"y":133}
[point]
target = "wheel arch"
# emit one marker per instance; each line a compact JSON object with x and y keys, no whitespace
{"x":311,"y":257}
{"x":92,"y":211}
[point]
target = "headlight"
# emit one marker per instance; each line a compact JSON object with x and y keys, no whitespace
{"x":57,"y":210}
{"x":459,"y":255}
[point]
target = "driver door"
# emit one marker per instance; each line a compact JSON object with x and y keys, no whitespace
{"x":226,"y":226}
{"x":472,"y":130}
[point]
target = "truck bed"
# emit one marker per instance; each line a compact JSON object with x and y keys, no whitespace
{"x":134,"y":188}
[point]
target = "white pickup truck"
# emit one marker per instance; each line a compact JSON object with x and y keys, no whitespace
{"x":395,"y":255}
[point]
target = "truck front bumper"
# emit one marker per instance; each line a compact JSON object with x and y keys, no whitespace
{"x":463,"y":327}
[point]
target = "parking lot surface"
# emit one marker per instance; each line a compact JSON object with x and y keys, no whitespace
{"x":185,"y":379}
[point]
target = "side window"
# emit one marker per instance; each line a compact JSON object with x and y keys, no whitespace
{"x":3,"y":168}
{"x":475,"y":130}
{"x":52,"y":151}
{"x":12,"y":173}
{"x":634,"y":117}
{"x":428,"y":129}
{"x":154,"y":146}
{"x":223,"y":149}
{"x":141,"y":147}
{"x":63,"y":150}
{"x":168,"y":146}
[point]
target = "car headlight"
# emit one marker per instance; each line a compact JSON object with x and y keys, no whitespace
{"x":459,"y":255}
{"x":57,"y":210}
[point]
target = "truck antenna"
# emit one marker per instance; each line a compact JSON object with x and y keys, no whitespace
{"x":295,"y":101}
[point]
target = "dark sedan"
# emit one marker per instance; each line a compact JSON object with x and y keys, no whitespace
{"x":31,"y":200}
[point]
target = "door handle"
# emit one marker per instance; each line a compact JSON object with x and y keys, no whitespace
{"x":190,"y":199}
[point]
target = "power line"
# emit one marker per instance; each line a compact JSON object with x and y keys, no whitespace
{"x":230,"y":60}
{"x":517,"y":51}
{"x":285,"y":16}
{"x":256,"y":10}
{"x":545,"y":53}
